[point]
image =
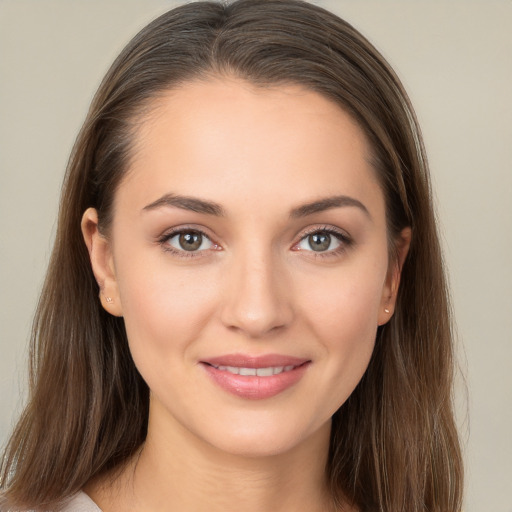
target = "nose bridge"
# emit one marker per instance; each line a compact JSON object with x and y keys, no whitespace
{"x":257,"y":301}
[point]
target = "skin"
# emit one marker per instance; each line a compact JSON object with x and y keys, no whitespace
{"x":258,"y":287}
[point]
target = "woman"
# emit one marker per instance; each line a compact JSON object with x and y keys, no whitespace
{"x":245,"y":306}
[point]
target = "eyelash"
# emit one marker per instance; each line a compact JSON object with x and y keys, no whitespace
{"x":343,"y":238}
{"x":164,"y":239}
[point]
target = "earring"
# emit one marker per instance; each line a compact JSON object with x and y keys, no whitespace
{"x":109,"y":300}
{"x":386,"y":310}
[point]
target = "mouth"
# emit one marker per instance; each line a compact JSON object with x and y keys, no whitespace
{"x":260,"y":372}
{"x":256,"y":377}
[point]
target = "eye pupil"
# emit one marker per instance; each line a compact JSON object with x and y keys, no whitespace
{"x":191,"y":240}
{"x":319,"y":241}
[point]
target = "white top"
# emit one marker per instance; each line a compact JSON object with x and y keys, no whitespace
{"x":81,"y":503}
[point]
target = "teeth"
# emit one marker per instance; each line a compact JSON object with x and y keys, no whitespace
{"x":230,"y":369}
{"x":247,"y":371}
{"x":260,"y":372}
{"x":264,"y":372}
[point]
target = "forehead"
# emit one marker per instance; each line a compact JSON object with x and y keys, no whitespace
{"x":230,"y":139}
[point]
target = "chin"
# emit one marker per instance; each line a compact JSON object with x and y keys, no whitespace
{"x":253,"y":439}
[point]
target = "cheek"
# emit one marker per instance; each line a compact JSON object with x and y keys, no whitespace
{"x":165,"y":308}
{"x":349,"y":300}
{"x":343,"y":313}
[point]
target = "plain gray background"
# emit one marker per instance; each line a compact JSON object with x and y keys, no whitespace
{"x":455,"y":59}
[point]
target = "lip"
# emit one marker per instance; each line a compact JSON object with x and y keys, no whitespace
{"x":248,"y":361}
{"x":254,"y":387}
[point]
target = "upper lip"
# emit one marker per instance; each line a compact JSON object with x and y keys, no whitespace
{"x":249,"y":361}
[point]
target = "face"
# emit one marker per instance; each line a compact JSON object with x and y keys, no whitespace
{"x":248,"y":256}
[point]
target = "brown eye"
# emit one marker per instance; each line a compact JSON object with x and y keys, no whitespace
{"x":190,"y":240}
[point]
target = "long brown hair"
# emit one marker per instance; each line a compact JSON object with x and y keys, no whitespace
{"x":394,"y":445}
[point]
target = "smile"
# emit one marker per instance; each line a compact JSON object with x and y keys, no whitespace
{"x":255,"y":377}
{"x":260,"y":372}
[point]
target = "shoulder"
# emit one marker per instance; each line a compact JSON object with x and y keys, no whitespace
{"x":80,"y":502}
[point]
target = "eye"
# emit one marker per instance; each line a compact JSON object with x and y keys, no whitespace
{"x":323,"y":241}
{"x":189,"y":240}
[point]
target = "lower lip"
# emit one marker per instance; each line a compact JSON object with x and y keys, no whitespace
{"x":253,"y":387}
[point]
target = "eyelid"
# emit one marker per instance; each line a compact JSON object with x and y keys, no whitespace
{"x":344,"y":238}
{"x":325,"y":228}
{"x":167,"y":235}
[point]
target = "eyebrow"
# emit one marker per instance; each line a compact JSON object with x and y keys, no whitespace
{"x":197,"y":205}
{"x":328,"y":203}
{"x":193,"y":204}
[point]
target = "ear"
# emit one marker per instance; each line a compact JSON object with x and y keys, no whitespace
{"x":390,"y":290}
{"x":102,"y":262}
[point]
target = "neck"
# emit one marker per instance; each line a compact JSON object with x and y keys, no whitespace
{"x":177,"y":471}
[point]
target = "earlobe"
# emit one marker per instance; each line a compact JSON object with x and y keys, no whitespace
{"x":390,"y":290}
{"x":102,"y":263}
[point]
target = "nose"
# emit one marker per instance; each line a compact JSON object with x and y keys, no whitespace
{"x":257,"y":298}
